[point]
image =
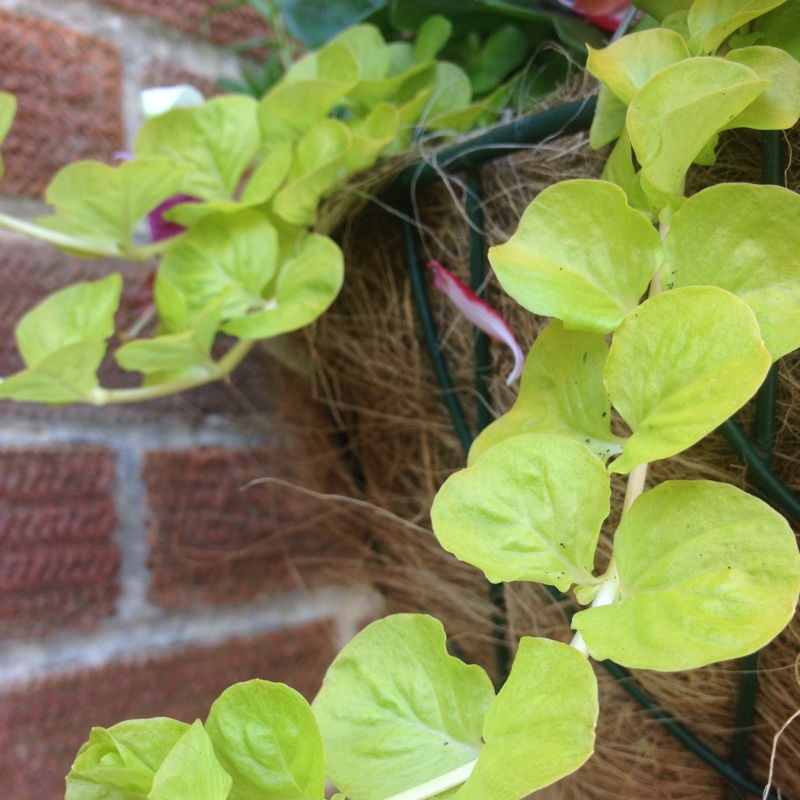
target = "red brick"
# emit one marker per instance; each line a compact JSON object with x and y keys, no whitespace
{"x":164,"y":73}
{"x":190,"y":17}
{"x":42,"y":724}
{"x":68,"y":86}
{"x":58,"y":562}
{"x":211,"y":542}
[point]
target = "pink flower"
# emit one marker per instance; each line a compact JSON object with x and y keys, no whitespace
{"x":479,"y":313}
{"x":605,"y":14}
{"x":161,"y":228}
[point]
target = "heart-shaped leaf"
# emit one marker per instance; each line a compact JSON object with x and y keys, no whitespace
{"x":513,"y":513}
{"x":191,"y":770}
{"x":215,"y":142}
{"x":627,"y":64}
{"x":318,"y":167}
{"x":306,"y":285}
{"x":540,"y":726}
{"x":422,"y":708}
{"x":81,"y":312}
{"x":68,"y":375}
{"x":706,"y":571}
{"x":103,"y":204}
{"x":712,"y":21}
{"x":308,"y":92}
{"x":580,"y":253}
{"x":267,"y":740}
{"x":176,"y":356}
{"x":743,"y":238}
{"x":679,"y":366}
{"x":124,"y":758}
{"x":778,"y":107}
{"x":234,"y":256}
{"x":678,"y":111}
{"x":561,"y":392}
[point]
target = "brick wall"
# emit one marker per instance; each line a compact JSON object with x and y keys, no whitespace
{"x":140,"y":571}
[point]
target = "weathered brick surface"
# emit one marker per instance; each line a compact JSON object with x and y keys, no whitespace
{"x":190,"y":16}
{"x":58,"y":562}
{"x":68,"y":86}
{"x":164,"y":73}
{"x":42,"y":724}
{"x":212,"y":541}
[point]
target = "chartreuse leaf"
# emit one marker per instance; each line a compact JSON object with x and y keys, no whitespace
{"x":306,"y":285}
{"x":62,"y":342}
{"x":67,"y":376}
{"x":179,"y":355}
{"x":395,"y":710}
{"x":620,"y":171}
{"x":678,"y":21}
{"x":267,"y":740}
{"x":627,"y":64}
{"x":452,"y":91}
{"x":778,"y":108}
{"x":431,"y":37}
{"x":267,"y":177}
{"x":318,"y":167}
{"x":308,"y":92}
{"x":743,"y":238}
{"x":580,"y":253}
{"x":706,"y":571}
{"x":124,"y":758}
{"x":368,"y":49}
{"x":275,"y":161}
{"x":103,"y":204}
{"x":561,"y":392}
{"x":215,"y":141}
{"x":191,"y":771}
{"x":608,"y":122}
{"x":679,"y":366}
{"x":540,"y":726}
{"x":370,"y":135}
{"x":8,"y":110}
{"x":171,"y":304}
{"x":781,"y":28}
{"x":403,"y":69}
{"x":678,"y":111}
{"x":712,"y":21}
{"x":658,"y":9}
{"x":236,"y":259}
{"x":81,"y":312}
{"x":513,"y":513}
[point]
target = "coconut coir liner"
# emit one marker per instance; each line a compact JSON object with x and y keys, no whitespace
{"x":375,"y":374}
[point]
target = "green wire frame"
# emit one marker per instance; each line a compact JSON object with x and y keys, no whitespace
{"x":757,"y":456}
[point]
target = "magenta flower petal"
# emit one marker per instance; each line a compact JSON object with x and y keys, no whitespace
{"x":479,"y":313}
{"x":161,"y":228}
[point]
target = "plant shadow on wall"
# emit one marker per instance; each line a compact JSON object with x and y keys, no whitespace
{"x":700,"y":571}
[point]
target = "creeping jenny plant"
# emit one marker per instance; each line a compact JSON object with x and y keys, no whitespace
{"x":700,"y":571}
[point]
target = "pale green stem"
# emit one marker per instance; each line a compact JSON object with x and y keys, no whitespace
{"x":437,"y":785}
{"x":609,"y":589}
{"x":88,"y":246}
{"x":59,"y":239}
{"x":221,"y":369}
{"x":606,"y":595}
